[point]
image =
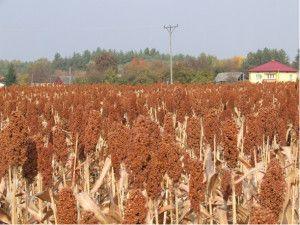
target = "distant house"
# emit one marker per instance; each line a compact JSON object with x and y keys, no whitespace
{"x":229,"y":77}
{"x":58,"y":81}
{"x":2,"y":84}
{"x":272,"y":71}
{"x":64,"y":80}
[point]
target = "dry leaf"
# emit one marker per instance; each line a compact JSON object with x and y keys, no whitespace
{"x":47,"y":215}
{"x":88,"y":204}
{"x":4,"y":217}
{"x":44,"y":196}
{"x":184,"y":187}
{"x":287,"y":151}
{"x":244,"y":162}
{"x":103,"y":173}
{"x":221,"y":215}
{"x":209,"y":164}
{"x":211,"y":182}
{"x":242,"y":214}
{"x":165,"y":208}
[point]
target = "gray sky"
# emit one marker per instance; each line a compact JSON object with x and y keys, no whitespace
{"x":30,"y":29}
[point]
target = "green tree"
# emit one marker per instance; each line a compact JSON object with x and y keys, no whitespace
{"x":140,"y":71}
{"x":77,"y":62}
{"x":146,"y":52}
{"x":105,"y":61}
{"x":207,"y":62}
{"x":296,"y":61}
{"x":263,"y":56}
{"x":58,"y":62}
{"x":40,"y":71}
{"x":100,"y":64}
{"x":10,"y":77}
{"x":203,"y":77}
{"x":23,"y":79}
{"x":111,"y":76}
{"x":86,"y":57}
{"x":183,"y":73}
{"x":153,"y":52}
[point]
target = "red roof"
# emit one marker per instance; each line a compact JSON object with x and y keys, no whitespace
{"x":273,"y":66}
{"x":58,"y":80}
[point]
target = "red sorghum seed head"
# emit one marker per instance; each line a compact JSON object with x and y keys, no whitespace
{"x":18,"y":139}
{"x":169,"y":130}
{"x":197,"y":185}
{"x":273,"y":188}
{"x":4,"y":146}
{"x":118,"y":145}
{"x":169,"y":153}
{"x":211,"y":126}
{"x":44,"y":161}
{"x":135,"y":209}
{"x":193,"y":131}
{"x":66,"y":207}
{"x":154,"y":177}
{"x":14,"y":142}
{"x":226,"y":186}
{"x":229,"y":142}
{"x":60,"y":147}
{"x":145,"y":137}
{"x":262,"y":215}
{"x":92,"y":132}
{"x":30,"y":165}
{"x":88,"y":218}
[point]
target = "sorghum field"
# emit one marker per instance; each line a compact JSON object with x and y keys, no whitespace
{"x":150,"y":154}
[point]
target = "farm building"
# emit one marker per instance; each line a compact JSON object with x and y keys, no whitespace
{"x":64,"y":80}
{"x":229,"y":77}
{"x":2,"y":81}
{"x":272,"y":71}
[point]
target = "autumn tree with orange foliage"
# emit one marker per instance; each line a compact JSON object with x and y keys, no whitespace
{"x":140,"y":71}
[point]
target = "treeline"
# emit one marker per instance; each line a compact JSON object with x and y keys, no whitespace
{"x":134,"y":67}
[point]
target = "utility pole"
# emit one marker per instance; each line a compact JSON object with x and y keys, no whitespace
{"x":170,"y":30}
{"x":70,"y":75}
{"x":31,"y":79}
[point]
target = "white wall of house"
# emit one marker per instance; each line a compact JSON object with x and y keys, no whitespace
{"x":258,"y":77}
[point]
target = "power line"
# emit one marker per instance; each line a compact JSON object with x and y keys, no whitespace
{"x":170,"y":30}
{"x":78,"y":28}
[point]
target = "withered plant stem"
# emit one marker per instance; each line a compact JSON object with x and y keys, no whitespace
{"x":166,"y":201}
{"x":155,"y":205}
{"x":215,"y":149}
{"x":176,"y":208}
{"x":293,"y":204}
{"x":87,"y":174}
{"x":27,"y":196}
{"x":210,"y":210}
{"x":242,"y":138}
{"x":234,"y":213}
{"x":201,"y":138}
{"x":171,"y":203}
{"x":14,"y":216}
{"x":53,"y":206}
{"x":75,"y":161}
{"x":64,"y":175}
{"x":215,"y":153}
{"x":113,"y":184}
{"x":39,"y":190}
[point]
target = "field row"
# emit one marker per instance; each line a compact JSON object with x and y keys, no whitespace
{"x":150,"y":154}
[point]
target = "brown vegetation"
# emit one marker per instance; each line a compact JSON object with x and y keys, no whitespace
{"x":149,"y":154}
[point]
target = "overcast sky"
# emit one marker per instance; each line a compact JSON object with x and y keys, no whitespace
{"x":30,"y":29}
